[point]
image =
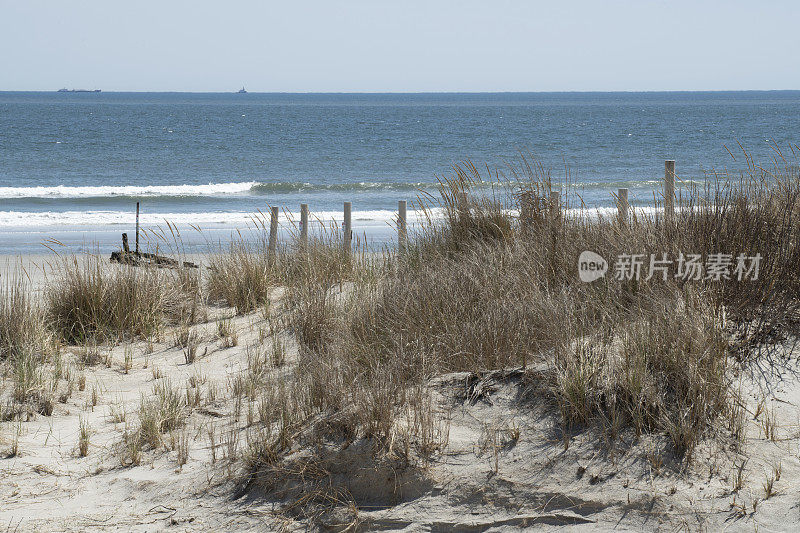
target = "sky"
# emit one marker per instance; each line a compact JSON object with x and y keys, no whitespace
{"x":399,"y":46}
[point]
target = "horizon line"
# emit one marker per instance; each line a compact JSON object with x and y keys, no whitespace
{"x":91,"y":91}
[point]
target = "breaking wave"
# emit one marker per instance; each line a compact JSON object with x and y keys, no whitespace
{"x":211,"y":189}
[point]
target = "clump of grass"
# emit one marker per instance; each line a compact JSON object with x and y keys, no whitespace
{"x":94,"y":301}
{"x":193,"y":394}
{"x":131,"y":449}
{"x":182,"y":336}
{"x":22,"y":330}
{"x":212,"y":442}
{"x":469,"y":218}
{"x":189,"y":340}
{"x":190,"y":352}
{"x":91,"y":355}
{"x":318,"y":278}
{"x":769,"y":486}
{"x":163,"y":412}
{"x":29,"y":384}
{"x":226,"y":332}
{"x":769,"y":424}
{"x":65,"y":395}
{"x":84,"y":433}
{"x":181,"y":447}
{"x":95,"y":397}
{"x":14,"y":449}
{"x":739,"y":476}
{"x":118,"y":413}
{"x":192,"y":308}
{"x":241,"y":277}
{"x":668,"y":375}
{"x":24,"y":344}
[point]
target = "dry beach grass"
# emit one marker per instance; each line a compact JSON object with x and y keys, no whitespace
{"x":334,"y":390}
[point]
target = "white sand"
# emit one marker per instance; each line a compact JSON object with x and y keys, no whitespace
{"x":485,"y":479}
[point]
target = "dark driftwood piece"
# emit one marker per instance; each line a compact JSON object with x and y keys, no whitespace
{"x":125,"y":256}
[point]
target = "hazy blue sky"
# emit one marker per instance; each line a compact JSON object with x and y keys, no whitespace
{"x":407,"y":45}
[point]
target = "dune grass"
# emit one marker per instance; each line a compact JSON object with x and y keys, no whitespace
{"x":163,"y":411}
{"x":21,"y":326}
{"x":240,"y":277}
{"x":95,"y":301}
{"x":24,"y":347}
{"x":482,"y":292}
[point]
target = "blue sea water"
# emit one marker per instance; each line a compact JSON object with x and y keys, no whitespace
{"x":73,"y":165}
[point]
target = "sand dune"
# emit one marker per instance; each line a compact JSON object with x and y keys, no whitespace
{"x":506,"y":463}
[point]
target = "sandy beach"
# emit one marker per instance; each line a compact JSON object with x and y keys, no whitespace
{"x":501,"y":460}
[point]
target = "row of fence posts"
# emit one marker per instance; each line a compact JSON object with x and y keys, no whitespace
{"x":347,"y":227}
{"x":623,"y":208}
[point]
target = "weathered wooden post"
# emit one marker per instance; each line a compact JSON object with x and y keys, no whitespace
{"x":304,"y":225}
{"x":622,"y":206}
{"x":125,"y":243}
{"x":402,"y":227}
{"x":273,"y":232}
{"x":347,"y":226}
{"x":669,"y":190}
{"x":137,"y":228}
{"x":555,"y":204}
{"x":462,"y":204}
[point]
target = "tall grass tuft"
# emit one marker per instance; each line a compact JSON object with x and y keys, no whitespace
{"x":24,"y":343}
{"x":93,"y":301}
{"x":163,"y":412}
{"x":22,"y":328}
{"x":240,"y":277}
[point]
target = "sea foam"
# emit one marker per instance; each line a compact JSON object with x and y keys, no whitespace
{"x":104,"y":191}
{"x":361,"y":219}
{"x":98,"y":219}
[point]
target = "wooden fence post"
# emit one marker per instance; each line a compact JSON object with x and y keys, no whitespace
{"x":669,"y":190}
{"x":347,"y":227}
{"x":402,"y":225}
{"x":622,"y":206}
{"x":137,"y":228}
{"x":273,"y":232}
{"x":555,"y":204}
{"x":304,"y":225}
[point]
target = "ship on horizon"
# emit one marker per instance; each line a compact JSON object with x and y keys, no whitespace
{"x":65,"y":90}
{"x":242,"y":90}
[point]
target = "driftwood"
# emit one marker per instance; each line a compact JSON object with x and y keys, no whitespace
{"x":126,"y":257}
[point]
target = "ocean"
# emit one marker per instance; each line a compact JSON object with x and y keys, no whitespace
{"x":73,"y":165}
